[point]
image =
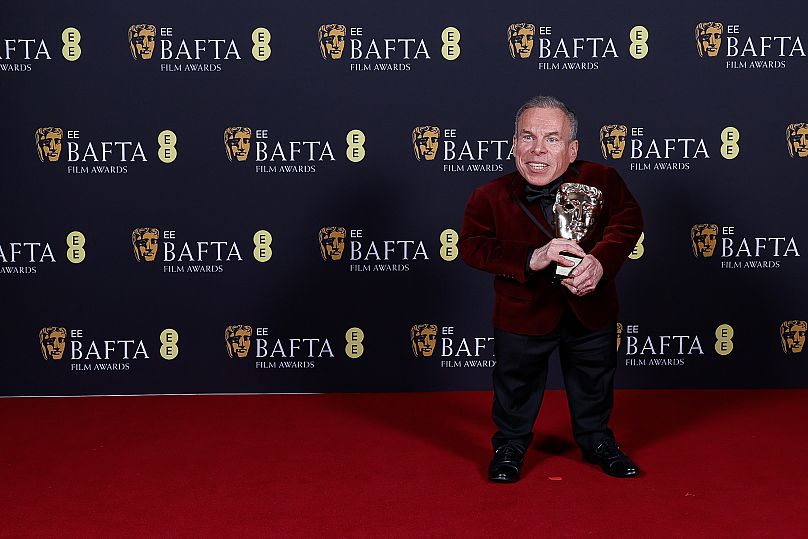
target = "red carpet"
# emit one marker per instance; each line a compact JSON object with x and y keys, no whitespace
{"x":717,"y":464}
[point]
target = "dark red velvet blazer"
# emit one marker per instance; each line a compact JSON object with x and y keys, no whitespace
{"x":498,"y":236}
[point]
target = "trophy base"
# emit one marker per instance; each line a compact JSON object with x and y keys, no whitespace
{"x":562,"y":272}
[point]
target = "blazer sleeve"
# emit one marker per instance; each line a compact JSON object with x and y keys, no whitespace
{"x":623,"y":229}
{"x":481,"y":243}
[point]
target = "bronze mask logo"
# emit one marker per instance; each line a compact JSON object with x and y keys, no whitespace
{"x":238,"y":338}
{"x":146,"y":244}
{"x":141,"y":41}
{"x":426,"y":142}
{"x":708,"y":38}
{"x":520,"y":39}
{"x":619,"y":335}
{"x":613,"y":140}
{"x":797,"y":139}
{"x":237,"y":143}
{"x":423,"y":338}
{"x":49,"y":143}
{"x":332,"y":242}
{"x":52,"y":342}
{"x":703,"y":238}
{"x":792,"y":336}
{"x":332,"y":41}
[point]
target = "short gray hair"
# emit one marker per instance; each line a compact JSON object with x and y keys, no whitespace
{"x":548,"y":102}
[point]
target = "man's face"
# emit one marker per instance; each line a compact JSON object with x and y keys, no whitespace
{"x":614,"y":142}
{"x":710,"y":40}
{"x":704,"y":241}
{"x":575,"y":214}
{"x":424,"y":341}
{"x":50,"y":146}
{"x":238,"y":145}
{"x":333,"y":43}
{"x":798,"y":140}
{"x":54,"y":345}
{"x":143,"y":43}
{"x":239,"y":343}
{"x":521,"y":42}
{"x":541,"y":148}
{"x":427,"y":144}
{"x":332,"y":245}
{"x":794,"y":338}
{"x":147,"y":246}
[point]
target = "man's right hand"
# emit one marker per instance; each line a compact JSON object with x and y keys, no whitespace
{"x":550,"y":252}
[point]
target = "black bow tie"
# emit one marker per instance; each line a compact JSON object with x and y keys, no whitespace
{"x":543,"y":194}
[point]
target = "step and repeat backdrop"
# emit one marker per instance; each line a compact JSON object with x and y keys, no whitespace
{"x":217,"y":198}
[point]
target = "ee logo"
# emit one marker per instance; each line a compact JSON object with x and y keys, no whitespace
{"x":356,"y":145}
{"x":639,"y":249}
{"x":262,"y":240}
{"x":167,"y":140}
{"x":448,"y":245}
{"x":354,"y":347}
{"x":260,"y":38}
{"x":639,"y":42}
{"x":71,"y":50}
{"x":451,"y":43}
{"x":730,"y":137}
{"x":75,"y":247}
{"x":169,"y":349}
{"x":723,"y":342}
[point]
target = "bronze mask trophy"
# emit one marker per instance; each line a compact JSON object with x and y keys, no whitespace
{"x":576,"y":210}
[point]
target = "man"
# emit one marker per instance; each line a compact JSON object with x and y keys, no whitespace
{"x":508,"y":231}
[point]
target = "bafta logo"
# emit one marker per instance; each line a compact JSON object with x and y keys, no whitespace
{"x":141,"y":41}
{"x":619,"y":335}
{"x":144,"y":241}
{"x":332,"y":41}
{"x":708,"y":38}
{"x":613,"y":140}
{"x":238,"y":338}
{"x":792,"y":336}
{"x":797,"y":139}
{"x":426,"y":142}
{"x":49,"y":143}
{"x":703,"y":238}
{"x":520,"y":39}
{"x":52,"y":342}
{"x":237,"y":143}
{"x":423,"y":338}
{"x":332,"y":242}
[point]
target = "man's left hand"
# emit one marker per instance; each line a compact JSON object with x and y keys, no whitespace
{"x":585,"y":277}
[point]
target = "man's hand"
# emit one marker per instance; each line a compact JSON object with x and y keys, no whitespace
{"x":549,"y":252}
{"x":585,"y":277}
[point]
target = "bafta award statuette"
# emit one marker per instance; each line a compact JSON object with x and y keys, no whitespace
{"x":577,"y":207}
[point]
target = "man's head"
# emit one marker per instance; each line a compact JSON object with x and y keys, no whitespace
{"x":237,"y":338}
{"x":797,"y":139}
{"x":332,"y":242}
{"x":144,"y":241}
{"x":423,"y":337}
{"x":237,"y":143}
{"x":708,"y":38}
{"x":141,"y":41}
{"x":426,"y":142}
{"x":52,"y":342}
{"x":48,"y":143}
{"x":544,"y":139}
{"x":792,"y":336}
{"x":613,"y":140}
{"x":332,"y":40}
{"x":520,"y":39}
{"x":703,"y":238}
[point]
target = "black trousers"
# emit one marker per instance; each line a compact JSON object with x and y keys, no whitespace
{"x":588,"y":362}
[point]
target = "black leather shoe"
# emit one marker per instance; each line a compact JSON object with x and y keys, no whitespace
{"x":614,"y":462}
{"x":506,"y":463}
